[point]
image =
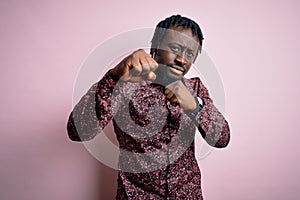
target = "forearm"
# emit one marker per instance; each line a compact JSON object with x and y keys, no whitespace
{"x":208,"y":119}
{"x":93,"y":111}
{"x":213,"y":126}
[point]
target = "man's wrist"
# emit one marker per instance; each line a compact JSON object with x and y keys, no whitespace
{"x":199,"y":105}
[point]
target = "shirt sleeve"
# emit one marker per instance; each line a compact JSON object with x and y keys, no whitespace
{"x":210,"y":122}
{"x":94,"y":110}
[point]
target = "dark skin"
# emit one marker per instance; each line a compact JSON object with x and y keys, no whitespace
{"x":170,"y":62}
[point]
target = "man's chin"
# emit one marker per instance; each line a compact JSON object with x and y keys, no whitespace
{"x":167,"y":77}
{"x":173,"y":77}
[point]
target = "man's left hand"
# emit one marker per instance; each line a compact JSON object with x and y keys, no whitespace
{"x":178,"y":94}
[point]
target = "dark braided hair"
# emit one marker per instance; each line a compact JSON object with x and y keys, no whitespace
{"x":177,"y":20}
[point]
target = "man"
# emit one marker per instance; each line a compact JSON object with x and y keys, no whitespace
{"x":155,"y":112}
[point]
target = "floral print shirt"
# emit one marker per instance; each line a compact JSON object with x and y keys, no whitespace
{"x":156,"y":139}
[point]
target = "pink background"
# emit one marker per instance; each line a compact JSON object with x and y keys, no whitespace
{"x":254,"y":45}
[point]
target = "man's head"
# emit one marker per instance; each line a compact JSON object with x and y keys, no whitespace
{"x":175,"y":46}
{"x":175,"y":20}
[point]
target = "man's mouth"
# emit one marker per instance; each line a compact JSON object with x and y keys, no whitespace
{"x":177,"y":69}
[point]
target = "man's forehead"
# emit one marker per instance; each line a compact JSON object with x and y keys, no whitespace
{"x":181,"y":35}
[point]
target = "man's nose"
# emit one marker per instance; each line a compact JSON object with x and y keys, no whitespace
{"x":180,"y":59}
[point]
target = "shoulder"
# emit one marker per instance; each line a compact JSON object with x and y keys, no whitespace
{"x":192,"y":80}
{"x":195,"y":84}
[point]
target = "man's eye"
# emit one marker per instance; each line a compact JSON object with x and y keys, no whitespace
{"x":189,"y":54}
{"x":175,"y":49}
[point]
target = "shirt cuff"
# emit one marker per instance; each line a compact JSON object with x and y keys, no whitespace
{"x":193,"y":113}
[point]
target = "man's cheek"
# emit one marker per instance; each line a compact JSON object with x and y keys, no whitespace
{"x":187,"y":69}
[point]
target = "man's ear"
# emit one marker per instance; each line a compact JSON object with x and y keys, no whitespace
{"x":153,"y":52}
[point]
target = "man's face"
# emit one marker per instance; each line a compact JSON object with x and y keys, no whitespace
{"x":176,"y":53}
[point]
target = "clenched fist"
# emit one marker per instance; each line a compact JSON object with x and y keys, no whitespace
{"x":178,"y":94}
{"x":136,"y":67}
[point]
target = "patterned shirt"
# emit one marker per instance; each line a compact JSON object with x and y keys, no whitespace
{"x":156,"y":139}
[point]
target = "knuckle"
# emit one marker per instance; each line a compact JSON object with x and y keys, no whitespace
{"x":146,"y":67}
{"x":139,"y":51}
{"x":138,"y":69}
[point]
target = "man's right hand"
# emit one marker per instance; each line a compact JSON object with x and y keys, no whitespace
{"x":136,"y":67}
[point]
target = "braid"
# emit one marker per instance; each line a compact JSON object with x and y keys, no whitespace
{"x":177,"y":20}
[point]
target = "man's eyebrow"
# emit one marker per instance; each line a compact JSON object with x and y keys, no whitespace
{"x":175,"y":43}
{"x":181,"y":46}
